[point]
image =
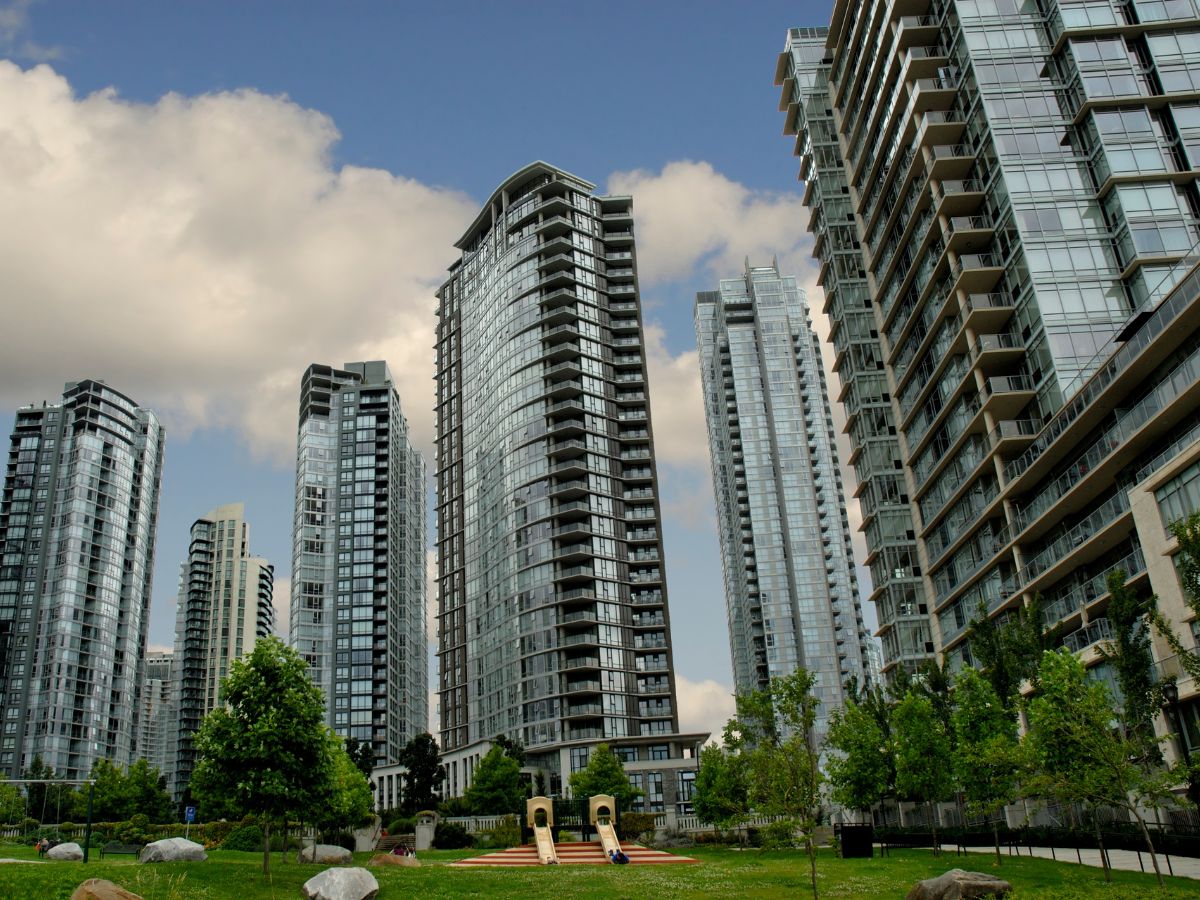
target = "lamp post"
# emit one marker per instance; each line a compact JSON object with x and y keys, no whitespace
{"x":1170,"y":692}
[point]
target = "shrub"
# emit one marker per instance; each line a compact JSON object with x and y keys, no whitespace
{"x":507,"y":833}
{"x":451,"y":836}
{"x":564,"y":837}
{"x":248,"y":838}
{"x":338,"y":839}
{"x":293,"y":843}
{"x":403,"y":825}
{"x":135,"y":831}
{"x":634,"y":826}
{"x":455,"y":806}
{"x":778,"y":835}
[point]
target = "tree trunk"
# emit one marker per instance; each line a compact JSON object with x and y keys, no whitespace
{"x":266,"y":847}
{"x":937,"y":848}
{"x":1100,"y":844}
{"x":810,"y":844}
{"x":1149,"y":843}
{"x":996,"y":838}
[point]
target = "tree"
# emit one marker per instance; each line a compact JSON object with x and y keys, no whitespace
{"x":110,"y":800}
{"x":496,"y":785}
{"x":513,"y":749}
{"x":1081,"y":754}
{"x":988,"y":757}
{"x":604,"y":774}
{"x":721,"y":796}
{"x":1008,"y":650}
{"x":862,"y":770}
{"x":783,"y":770}
{"x":1131,"y":658}
{"x":12,"y":804}
{"x":48,"y":801}
{"x":265,"y":749}
{"x":121,"y":795}
{"x":348,"y":801}
{"x":423,"y":773}
{"x":362,"y":754}
{"x":922,"y":748}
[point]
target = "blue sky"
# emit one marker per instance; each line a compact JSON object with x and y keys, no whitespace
{"x":297,"y":199}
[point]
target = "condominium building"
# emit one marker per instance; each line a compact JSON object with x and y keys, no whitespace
{"x":553,"y":619}
{"x":1000,"y":194}
{"x":791,"y":592}
{"x":157,"y":721}
{"x":77,"y":522}
{"x":358,"y":556}
{"x":223,"y":607}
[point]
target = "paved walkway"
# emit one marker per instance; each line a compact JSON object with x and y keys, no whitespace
{"x":1183,"y":866}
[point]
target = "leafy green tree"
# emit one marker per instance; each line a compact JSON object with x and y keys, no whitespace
{"x":604,"y":774}
{"x":496,"y":785}
{"x":987,"y":759}
{"x":1131,"y":658}
{"x":423,"y":773}
{"x":265,"y":749}
{"x":783,"y":765}
{"x":924,"y":773}
{"x":12,"y":803}
{"x":1080,"y":752}
{"x":513,"y":749}
{"x":110,"y":798}
{"x":347,"y":804}
{"x":1009,"y":649}
{"x":362,"y":754}
{"x":721,"y":796}
{"x":147,"y":791}
{"x":49,"y":802}
{"x":862,"y":770}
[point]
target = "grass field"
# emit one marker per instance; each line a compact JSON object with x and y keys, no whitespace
{"x":720,"y":873}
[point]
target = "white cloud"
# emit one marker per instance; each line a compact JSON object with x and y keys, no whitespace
{"x":281,"y":599}
{"x":703,"y":705}
{"x":199,"y":253}
{"x":14,"y":34}
{"x":676,"y":402}
{"x":691,"y":217}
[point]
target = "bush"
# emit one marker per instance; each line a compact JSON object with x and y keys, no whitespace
{"x":248,"y":838}
{"x":634,"y":826}
{"x":778,"y":835}
{"x":293,"y":843}
{"x":507,"y":833}
{"x":455,"y":806}
{"x":135,"y":831}
{"x":451,"y":836}
{"x":342,"y":839}
{"x":403,"y":825}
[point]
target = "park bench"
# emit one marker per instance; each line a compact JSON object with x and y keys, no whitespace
{"x":117,"y":849}
{"x":392,"y":841}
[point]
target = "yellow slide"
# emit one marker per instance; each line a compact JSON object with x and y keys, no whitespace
{"x":542,"y":834}
{"x":547,"y":855}
{"x":608,"y":838}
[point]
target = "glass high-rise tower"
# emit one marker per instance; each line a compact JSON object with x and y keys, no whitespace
{"x":998,"y":189}
{"x":553,"y":620}
{"x":77,"y":525}
{"x":224,"y":606}
{"x":790,"y":589}
{"x":358,"y":570}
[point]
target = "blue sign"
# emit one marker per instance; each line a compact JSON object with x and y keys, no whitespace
{"x":189,"y":814}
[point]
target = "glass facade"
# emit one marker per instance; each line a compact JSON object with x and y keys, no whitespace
{"x":790,"y":589}
{"x":1017,"y":178}
{"x":553,"y":618}
{"x":224,"y":604}
{"x":157,"y":722}
{"x":77,"y":524}
{"x":358,"y":556}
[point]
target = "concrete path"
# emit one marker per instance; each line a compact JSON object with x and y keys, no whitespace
{"x":1182,"y":866}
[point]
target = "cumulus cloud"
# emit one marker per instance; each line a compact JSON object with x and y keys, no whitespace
{"x":199,"y":253}
{"x":703,"y":705}
{"x":690,"y":217}
{"x":676,"y":402}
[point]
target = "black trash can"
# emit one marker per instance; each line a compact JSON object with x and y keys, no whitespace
{"x":858,"y":841}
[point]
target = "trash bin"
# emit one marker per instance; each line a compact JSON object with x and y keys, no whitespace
{"x":857,"y":841}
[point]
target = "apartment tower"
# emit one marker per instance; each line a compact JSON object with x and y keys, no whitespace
{"x":790,"y":589}
{"x":999,"y":191}
{"x":157,"y":722}
{"x":77,"y":521}
{"x":223,"y":607}
{"x":358,"y":556}
{"x":553,"y":618}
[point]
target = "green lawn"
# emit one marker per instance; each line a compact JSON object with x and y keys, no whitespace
{"x":721,"y":873}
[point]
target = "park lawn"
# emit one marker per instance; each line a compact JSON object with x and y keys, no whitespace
{"x":721,"y":873}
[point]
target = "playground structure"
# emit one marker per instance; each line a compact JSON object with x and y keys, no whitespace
{"x":601,"y":812}
{"x":542,"y":835}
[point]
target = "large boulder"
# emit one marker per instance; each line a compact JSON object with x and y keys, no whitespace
{"x":327,"y":854}
{"x":173,"y":850}
{"x":958,"y":884}
{"x":341,"y":884}
{"x":391,"y":859}
{"x":99,"y":889}
{"x":68,"y":852}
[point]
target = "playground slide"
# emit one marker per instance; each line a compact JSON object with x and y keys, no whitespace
{"x":545,"y":845}
{"x":608,"y":838}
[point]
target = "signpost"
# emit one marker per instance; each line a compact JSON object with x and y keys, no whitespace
{"x":189,"y":816}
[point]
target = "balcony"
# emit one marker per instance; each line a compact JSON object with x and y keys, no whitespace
{"x":564,"y":370}
{"x":914,"y":30}
{"x":566,"y":449}
{"x":957,"y":197}
{"x":1092,"y":633}
{"x":987,"y":312}
{"x":933,"y":93}
{"x":964,"y":234}
{"x":976,"y":273}
{"x":1006,"y":395}
{"x":576,"y":487}
{"x":584,"y":711}
{"x":582,"y":687}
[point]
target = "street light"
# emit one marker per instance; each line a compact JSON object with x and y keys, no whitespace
{"x":1170,"y":692}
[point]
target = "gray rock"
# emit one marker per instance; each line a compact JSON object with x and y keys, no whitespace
{"x":173,"y":850}
{"x":341,"y":884}
{"x":69,"y":852}
{"x":958,"y":884}
{"x":328,"y":854}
